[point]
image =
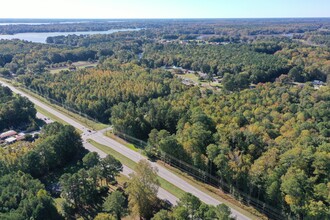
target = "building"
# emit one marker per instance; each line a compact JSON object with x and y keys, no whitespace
{"x":318,"y":83}
{"x":10,"y":140}
{"x":7,"y":134}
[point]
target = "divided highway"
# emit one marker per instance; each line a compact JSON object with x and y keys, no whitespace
{"x":135,"y":156}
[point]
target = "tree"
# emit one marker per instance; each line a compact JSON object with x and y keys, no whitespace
{"x":91,"y":159}
{"x":104,"y":216}
{"x":23,"y":197}
{"x":296,"y":74}
{"x":191,"y":204}
{"x":79,"y":190}
{"x":180,"y":213}
{"x":110,"y":168}
{"x":228,"y":82}
{"x":295,"y":186}
{"x":115,"y":204}
{"x":223,"y":212}
{"x":142,"y":190}
{"x":4,"y":72}
{"x":162,"y":215}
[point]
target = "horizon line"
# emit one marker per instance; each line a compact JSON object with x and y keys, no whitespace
{"x":171,"y":18}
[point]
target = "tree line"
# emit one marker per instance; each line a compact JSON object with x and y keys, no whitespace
{"x":252,"y":139}
{"x":16,"y":111}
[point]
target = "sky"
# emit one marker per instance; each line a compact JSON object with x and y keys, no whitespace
{"x":164,"y":8}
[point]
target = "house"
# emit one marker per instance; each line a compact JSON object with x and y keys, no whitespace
{"x":20,"y":136}
{"x":317,"y":83}
{"x":7,"y":134}
{"x":10,"y":140}
{"x":72,"y":68}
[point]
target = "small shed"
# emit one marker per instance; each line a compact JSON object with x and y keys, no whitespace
{"x":10,"y":140}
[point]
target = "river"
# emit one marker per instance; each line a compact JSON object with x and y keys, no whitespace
{"x":41,"y":37}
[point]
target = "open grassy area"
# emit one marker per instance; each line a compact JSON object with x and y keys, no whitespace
{"x":191,"y":76}
{"x":79,"y":65}
{"x":82,"y":120}
{"x":120,"y":140}
{"x":124,"y":160}
{"x":50,"y":115}
{"x":131,"y":164}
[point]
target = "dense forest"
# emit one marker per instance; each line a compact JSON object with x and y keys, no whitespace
{"x":234,"y":59}
{"x":95,"y":92}
{"x":254,"y":138}
{"x":264,"y":129}
{"x":16,"y":111}
{"x":86,"y":183}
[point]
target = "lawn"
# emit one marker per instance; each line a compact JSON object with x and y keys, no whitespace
{"x":79,"y":65}
{"x":111,"y":135}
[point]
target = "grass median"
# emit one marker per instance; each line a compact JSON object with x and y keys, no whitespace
{"x":111,"y":135}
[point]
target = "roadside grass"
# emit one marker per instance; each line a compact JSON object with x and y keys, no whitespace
{"x":84,"y":121}
{"x":50,"y":115}
{"x":211,"y":191}
{"x":124,"y":160}
{"x":216,"y":193}
{"x":131,"y":164}
{"x":111,"y":135}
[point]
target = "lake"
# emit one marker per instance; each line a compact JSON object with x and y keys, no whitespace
{"x":41,"y":37}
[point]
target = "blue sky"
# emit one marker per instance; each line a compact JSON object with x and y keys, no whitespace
{"x":164,"y":8}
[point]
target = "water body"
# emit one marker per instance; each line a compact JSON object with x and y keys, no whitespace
{"x":41,"y":37}
{"x":3,"y":24}
{"x":58,"y":22}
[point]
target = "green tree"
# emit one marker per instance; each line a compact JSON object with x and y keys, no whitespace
{"x":142,"y":190}
{"x":91,"y":159}
{"x":22,"y":197}
{"x":162,"y":215}
{"x":191,"y":204}
{"x":79,"y":190}
{"x":104,"y":216}
{"x":223,"y":212}
{"x":296,"y":188}
{"x":228,"y":82}
{"x":115,"y":204}
{"x":110,"y":168}
{"x":180,"y":213}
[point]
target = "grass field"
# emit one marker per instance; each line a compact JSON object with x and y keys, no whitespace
{"x":191,"y":76}
{"x":79,"y":65}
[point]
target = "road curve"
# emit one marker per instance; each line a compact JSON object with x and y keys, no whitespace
{"x":135,"y":156}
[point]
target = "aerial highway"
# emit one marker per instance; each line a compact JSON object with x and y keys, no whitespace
{"x":99,"y":137}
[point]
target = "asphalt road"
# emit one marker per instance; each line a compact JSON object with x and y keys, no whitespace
{"x":162,"y":193}
{"x":135,"y":156}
